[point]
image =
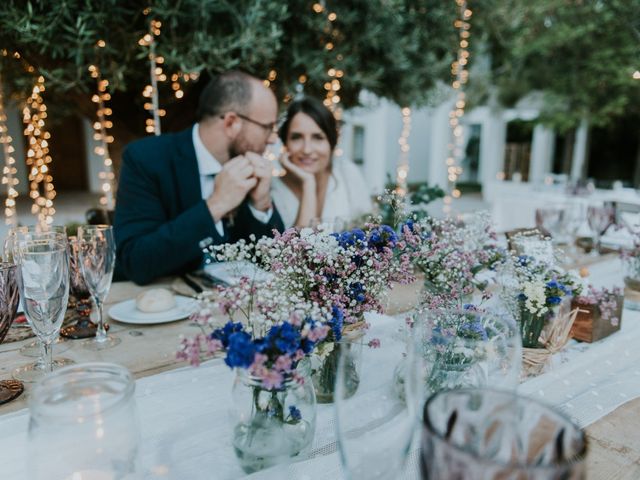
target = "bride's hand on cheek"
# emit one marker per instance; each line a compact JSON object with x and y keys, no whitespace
{"x":298,"y":172}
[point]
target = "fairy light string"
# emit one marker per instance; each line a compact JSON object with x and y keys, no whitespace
{"x":460,"y":75}
{"x":156,"y":75}
{"x":101,"y":135}
{"x":9,"y":170}
{"x":41,"y":189}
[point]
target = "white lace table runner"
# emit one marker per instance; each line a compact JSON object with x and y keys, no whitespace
{"x":186,"y":425}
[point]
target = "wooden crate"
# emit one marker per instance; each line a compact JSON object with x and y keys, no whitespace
{"x":590,"y":327}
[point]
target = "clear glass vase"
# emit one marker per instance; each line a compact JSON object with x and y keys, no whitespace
{"x":631,"y":270}
{"x":324,"y":370}
{"x":272,"y":425}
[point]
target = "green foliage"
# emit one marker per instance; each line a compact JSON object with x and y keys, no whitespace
{"x":581,"y":54}
{"x":397,"y":49}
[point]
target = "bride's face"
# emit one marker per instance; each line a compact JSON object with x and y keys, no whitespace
{"x":307,"y":144}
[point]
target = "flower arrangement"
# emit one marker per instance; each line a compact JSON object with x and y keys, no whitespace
{"x":607,"y":301}
{"x":532,"y":291}
{"x":335,"y":277}
{"x":451,"y":254}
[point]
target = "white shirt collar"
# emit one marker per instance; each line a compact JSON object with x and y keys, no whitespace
{"x":207,"y":163}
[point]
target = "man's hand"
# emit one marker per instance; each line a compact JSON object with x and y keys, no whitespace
{"x":233,"y":183}
{"x":260,"y":195}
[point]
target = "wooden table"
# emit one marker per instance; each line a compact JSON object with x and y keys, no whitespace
{"x":614,"y":449}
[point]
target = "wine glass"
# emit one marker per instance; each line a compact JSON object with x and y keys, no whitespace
{"x":574,"y":216}
{"x":600,"y":217}
{"x":549,"y":220}
{"x":84,"y":327}
{"x":43,"y":278}
{"x":97,"y":255}
{"x":35,"y":348}
{"x":376,"y":425}
{"x":9,"y":299}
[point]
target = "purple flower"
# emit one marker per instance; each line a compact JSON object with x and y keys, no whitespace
{"x":223,"y":334}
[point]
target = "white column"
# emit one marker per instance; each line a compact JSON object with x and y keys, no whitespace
{"x":492,"y":144}
{"x":439,"y":139}
{"x":542,"y":146}
{"x":419,"y":141}
{"x":579,"y":158}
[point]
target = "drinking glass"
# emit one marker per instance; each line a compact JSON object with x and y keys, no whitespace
{"x":574,"y":215}
{"x":600,"y":217}
{"x":35,"y":348}
{"x":375,"y":426}
{"x":43,"y":278}
{"x":9,"y":299}
{"x":97,"y":255}
{"x":549,"y":220}
{"x":467,"y":348}
{"x":84,"y":327}
{"x":476,"y":434}
{"x":83,"y":424}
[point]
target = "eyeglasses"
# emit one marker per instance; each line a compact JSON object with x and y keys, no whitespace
{"x":270,"y":127}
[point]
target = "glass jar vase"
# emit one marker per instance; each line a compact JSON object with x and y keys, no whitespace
{"x":84,"y":424}
{"x":272,"y":424}
{"x":324,"y":368}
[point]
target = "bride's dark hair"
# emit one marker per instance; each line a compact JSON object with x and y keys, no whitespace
{"x":318,"y":112}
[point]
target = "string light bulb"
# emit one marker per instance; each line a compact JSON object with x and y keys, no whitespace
{"x":460,"y":76}
{"x":9,"y":171}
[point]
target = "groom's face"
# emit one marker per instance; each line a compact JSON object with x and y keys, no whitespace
{"x":258,"y":128}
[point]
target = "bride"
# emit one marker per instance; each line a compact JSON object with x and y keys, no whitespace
{"x":315,"y":187}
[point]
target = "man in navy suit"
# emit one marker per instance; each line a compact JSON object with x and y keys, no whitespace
{"x":209,"y":181}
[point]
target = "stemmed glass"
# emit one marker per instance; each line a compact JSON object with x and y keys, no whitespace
{"x":9,"y":299}
{"x":600,"y":217}
{"x":574,"y":215}
{"x":97,"y":255}
{"x":35,"y":348}
{"x":84,"y":327}
{"x":550,"y":219}
{"x":43,"y":278}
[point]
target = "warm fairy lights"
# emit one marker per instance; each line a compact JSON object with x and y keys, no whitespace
{"x":460,"y":76}
{"x":9,"y":170}
{"x":38,"y":159}
{"x":101,"y":135}
{"x":156,"y":74}
{"x":402,"y":171}
{"x":332,"y":85}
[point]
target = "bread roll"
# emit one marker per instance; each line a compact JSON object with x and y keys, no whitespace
{"x":155,"y":300}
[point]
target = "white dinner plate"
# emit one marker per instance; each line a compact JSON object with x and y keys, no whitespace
{"x":231,"y":272}
{"x":126,"y":312}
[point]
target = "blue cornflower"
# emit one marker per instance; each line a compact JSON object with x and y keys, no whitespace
{"x":474,"y":328}
{"x":522,"y":297}
{"x":225,"y":332}
{"x":294,"y":413}
{"x":553,"y":284}
{"x":554,"y":300}
{"x":285,"y":337}
{"x":241,"y":350}
{"x":409,"y":224}
{"x":357,"y":292}
{"x":336,"y":323}
{"x":523,"y":260}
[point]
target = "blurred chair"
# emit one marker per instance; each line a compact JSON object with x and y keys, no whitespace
{"x":99,"y":216}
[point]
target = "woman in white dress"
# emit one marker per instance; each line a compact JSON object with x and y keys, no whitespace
{"x":315,"y":188}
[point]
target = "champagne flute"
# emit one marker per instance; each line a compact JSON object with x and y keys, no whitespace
{"x":97,"y":256}
{"x":9,"y":299}
{"x":43,"y":279}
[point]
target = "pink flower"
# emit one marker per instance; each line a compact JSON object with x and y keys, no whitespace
{"x":272,"y":379}
{"x":283,"y":363}
{"x":374,"y":343}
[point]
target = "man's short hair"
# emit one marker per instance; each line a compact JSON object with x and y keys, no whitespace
{"x":229,"y":91}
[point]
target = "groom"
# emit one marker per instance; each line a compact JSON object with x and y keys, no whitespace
{"x":209,"y":181}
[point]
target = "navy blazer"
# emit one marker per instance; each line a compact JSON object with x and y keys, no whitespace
{"x":160,"y":215}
